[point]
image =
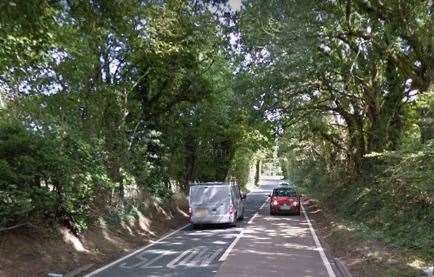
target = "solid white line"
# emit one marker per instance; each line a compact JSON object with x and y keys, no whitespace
{"x":240,"y":235}
{"x":318,"y":245}
{"x":136,"y":251}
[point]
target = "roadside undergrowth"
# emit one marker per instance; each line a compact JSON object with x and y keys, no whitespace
{"x":363,"y":253}
{"x":39,"y":249}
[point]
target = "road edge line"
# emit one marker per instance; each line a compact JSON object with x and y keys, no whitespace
{"x":135,"y":251}
{"x":240,"y":235}
{"x":320,"y":249}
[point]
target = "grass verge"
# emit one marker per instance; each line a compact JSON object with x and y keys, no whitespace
{"x":359,"y":250}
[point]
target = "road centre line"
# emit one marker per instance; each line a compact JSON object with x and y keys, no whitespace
{"x":152,"y":243}
{"x":318,"y":245}
{"x":240,"y":235}
{"x":135,"y":252}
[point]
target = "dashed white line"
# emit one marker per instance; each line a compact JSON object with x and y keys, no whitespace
{"x":318,"y":245}
{"x":239,"y":236}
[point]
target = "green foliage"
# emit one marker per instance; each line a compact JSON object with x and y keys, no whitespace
{"x":15,"y":145}
{"x":393,"y":200}
{"x":343,"y":80}
{"x":46,"y":176}
{"x":348,"y":64}
{"x":103,"y":98}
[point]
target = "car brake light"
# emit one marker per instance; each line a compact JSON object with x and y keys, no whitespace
{"x":189,"y":211}
{"x":231,"y":209}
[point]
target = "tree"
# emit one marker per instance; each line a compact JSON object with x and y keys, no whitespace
{"x":342,"y":61}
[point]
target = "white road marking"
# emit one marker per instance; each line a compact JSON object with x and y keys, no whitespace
{"x":173,"y":262}
{"x":193,"y":253}
{"x":205,"y":257}
{"x":200,"y":256}
{"x":135,"y":252}
{"x":195,"y":260}
{"x":318,"y":245}
{"x":207,"y":260}
{"x":240,"y":235}
{"x":149,"y":264}
{"x":140,"y":256}
{"x":145,"y":262}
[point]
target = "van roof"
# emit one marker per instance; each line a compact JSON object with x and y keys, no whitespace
{"x":212,"y":184}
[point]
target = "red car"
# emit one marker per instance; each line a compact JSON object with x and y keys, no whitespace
{"x":285,"y":200}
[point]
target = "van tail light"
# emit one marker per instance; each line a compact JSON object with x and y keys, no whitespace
{"x":231,"y":209}
{"x":189,"y":211}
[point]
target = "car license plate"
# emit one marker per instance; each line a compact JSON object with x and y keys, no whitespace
{"x":201,"y":212}
{"x":285,"y":207}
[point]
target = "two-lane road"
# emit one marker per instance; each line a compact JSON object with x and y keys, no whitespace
{"x":256,"y":247}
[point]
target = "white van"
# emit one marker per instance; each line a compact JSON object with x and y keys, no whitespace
{"x":216,"y":202}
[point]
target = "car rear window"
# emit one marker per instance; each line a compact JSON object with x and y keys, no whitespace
{"x":284,"y":192}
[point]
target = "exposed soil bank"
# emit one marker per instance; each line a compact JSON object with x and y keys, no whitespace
{"x":363,"y":256}
{"x":37,"y":251}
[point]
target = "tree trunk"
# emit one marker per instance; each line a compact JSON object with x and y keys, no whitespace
{"x":257,"y":172}
{"x":190,"y":162}
{"x":386,"y":125}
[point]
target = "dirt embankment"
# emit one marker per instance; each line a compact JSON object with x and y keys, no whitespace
{"x":363,"y":257}
{"x":38,"y":250}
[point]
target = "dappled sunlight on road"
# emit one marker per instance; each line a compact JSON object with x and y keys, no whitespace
{"x":278,"y":245}
{"x":261,"y":245}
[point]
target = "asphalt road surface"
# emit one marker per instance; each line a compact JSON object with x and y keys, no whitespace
{"x":260,"y":245}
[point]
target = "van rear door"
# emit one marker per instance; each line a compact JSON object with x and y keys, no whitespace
{"x":209,"y":200}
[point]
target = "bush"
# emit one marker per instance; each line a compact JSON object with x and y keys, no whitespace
{"x":393,"y":197}
{"x":44,"y":174}
{"x":19,"y":173}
